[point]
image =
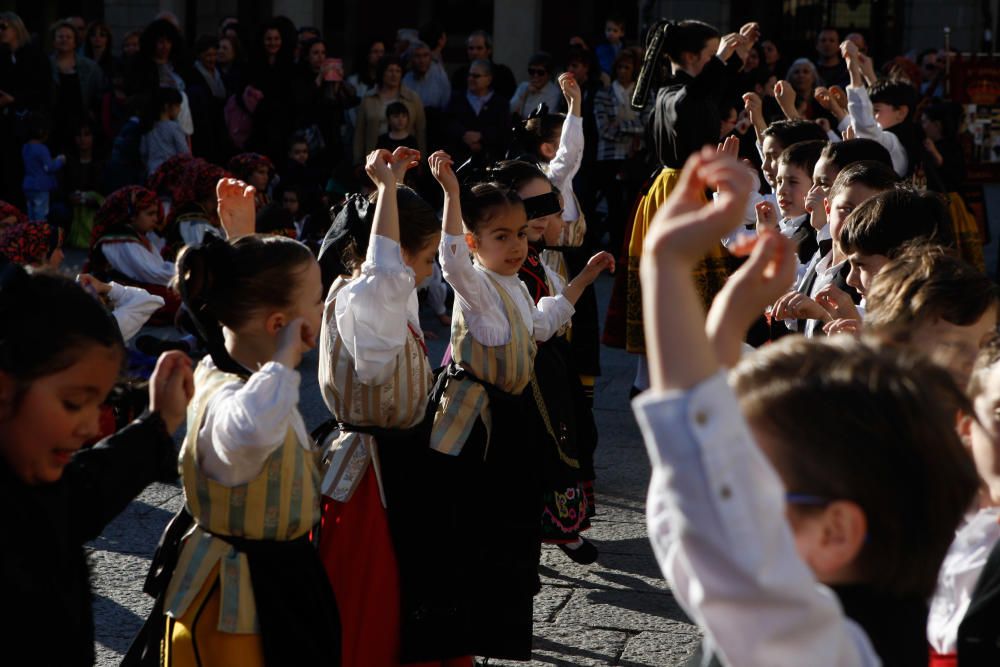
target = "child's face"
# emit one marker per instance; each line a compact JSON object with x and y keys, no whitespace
{"x":864,"y":268}
{"x":56,"y":415}
{"x":307,"y":300}
{"x":173,"y":111}
{"x":536,"y":226}
{"x":846,"y":200}
{"x":399,"y":122}
{"x":772,"y":149}
{"x":422,"y":261}
{"x":982,"y":433}
{"x":825,"y":173}
{"x":299,"y":152}
{"x":887,"y":115}
{"x":146,"y":219}
{"x":953,"y":346}
{"x":697,"y":64}
{"x":260,"y":177}
{"x":290,"y":202}
{"x":502,"y":245}
{"x":793,"y":185}
{"x":84,"y":139}
{"x":613,"y":32}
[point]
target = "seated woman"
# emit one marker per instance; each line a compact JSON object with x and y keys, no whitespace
{"x":194,"y":209}
{"x":120,"y":250}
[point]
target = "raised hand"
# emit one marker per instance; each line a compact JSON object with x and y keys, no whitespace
{"x":171,"y":387}
{"x":767,"y":219}
{"x":845,"y":326}
{"x":837,"y":303}
{"x":442,"y":169}
{"x":728,"y":45}
{"x":816,"y":207}
{"x":785,"y":95}
{"x":380,"y":169}
{"x":849,"y":133}
{"x":600,"y":262}
{"x":571,"y":91}
{"x":294,"y":340}
{"x":90,"y":283}
{"x":798,"y":306}
{"x":236,"y":208}
{"x":404,"y":159}
{"x":730,"y":147}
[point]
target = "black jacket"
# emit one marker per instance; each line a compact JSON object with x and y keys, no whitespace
{"x":46,"y":617}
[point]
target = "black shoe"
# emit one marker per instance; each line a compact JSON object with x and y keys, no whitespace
{"x":153,"y":347}
{"x":585,"y":554}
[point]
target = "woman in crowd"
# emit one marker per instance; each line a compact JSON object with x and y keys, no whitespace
{"x":76,"y":85}
{"x":372,"y":120}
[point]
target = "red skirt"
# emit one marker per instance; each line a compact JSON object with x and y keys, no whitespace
{"x":356,"y":549}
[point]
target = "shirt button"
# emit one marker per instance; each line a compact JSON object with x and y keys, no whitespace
{"x":700,"y":418}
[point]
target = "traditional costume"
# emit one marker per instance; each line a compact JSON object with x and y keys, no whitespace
{"x":30,"y":243}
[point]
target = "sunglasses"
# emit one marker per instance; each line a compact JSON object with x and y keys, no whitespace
{"x":532,"y":71}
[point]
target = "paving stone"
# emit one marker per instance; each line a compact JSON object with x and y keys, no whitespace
{"x":549,"y":601}
{"x":559,"y":644}
{"x":612,"y":571}
{"x":661,"y":649}
{"x":625,"y":610}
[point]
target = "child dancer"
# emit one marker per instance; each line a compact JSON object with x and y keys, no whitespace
{"x":494,"y":332}
{"x":376,"y":380}
{"x":865,"y":506}
{"x":61,"y":354}
{"x":248,"y":587}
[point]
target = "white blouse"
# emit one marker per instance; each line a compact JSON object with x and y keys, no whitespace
{"x":373,"y":310}
{"x":859,"y":106}
{"x":133,"y":306}
{"x":563,"y":167}
{"x":193,"y":231}
{"x":245,"y":423}
{"x":139,"y":263}
{"x":958,"y":576}
{"x":482,"y":306}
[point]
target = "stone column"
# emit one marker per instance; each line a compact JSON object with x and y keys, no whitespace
{"x":516,"y":28}
{"x":301,"y":12}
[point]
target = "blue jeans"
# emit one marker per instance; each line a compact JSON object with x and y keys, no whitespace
{"x":38,"y":204}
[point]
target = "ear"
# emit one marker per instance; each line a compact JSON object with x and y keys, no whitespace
{"x":904,"y":109}
{"x":826,"y":206}
{"x":275,"y":322}
{"x":470,"y":240}
{"x":965,"y":422}
{"x":548,"y":150}
{"x":844,"y":531}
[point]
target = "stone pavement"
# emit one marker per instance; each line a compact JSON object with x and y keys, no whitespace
{"x":618,"y":611}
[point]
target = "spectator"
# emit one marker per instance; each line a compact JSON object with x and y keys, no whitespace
{"x":772,"y":60}
{"x":231,"y":63}
{"x":162,"y":136}
{"x":306,"y":33}
{"x":298,"y":173}
{"x":77,"y":82}
{"x":24,"y":77}
{"x":583,"y":66}
{"x":931,"y":74}
{"x":125,"y":166}
{"x":39,"y":169}
{"x":804,"y":79}
{"x":364,"y":77}
{"x":479,"y":46}
{"x":830,"y":66}
{"x":97,"y":47}
{"x":229,"y":27}
{"x":271,"y":72}
{"x":427,"y":78}
{"x":435,"y":37}
{"x":82,"y":186}
{"x":79,"y":26}
{"x":608,"y":50}
{"x":620,"y":138}
{"x":479,"y":118}
{"x":371,"y":115}
{"x":161,"y":61}
{"x":398,"y":135}
{"x":322,"y":99}
{"x":207,"y":96}
{"x":538,"y":89}
{"x":130,"y":46}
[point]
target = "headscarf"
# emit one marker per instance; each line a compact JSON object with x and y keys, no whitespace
{"x":166,"y":180}
{"x":28,"y":243}
{"x":8,"y":210}
{"x":117,"y":211}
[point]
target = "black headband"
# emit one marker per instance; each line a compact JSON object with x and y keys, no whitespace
{"x":540,"y":206}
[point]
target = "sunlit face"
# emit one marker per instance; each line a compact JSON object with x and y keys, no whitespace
{"x":502,"y":244}
{"x":420,"y":60}
{"x":299,"y":152}
{"x":536,"y":226}
{"x":146,"y":219}
{"x":225,"y":54}
{"x":376,"y":53}
{"x":887,"y":115}
{"x":56,"y":415}
{"x":802,"y":77}
{"x":825,"y":173}
{"x":317,"y":54}
{"x":953,"y":346}
{"x":793,"y":185}
{"x":261,"y":177}
{"x":208,"y":58}
{"x":828,"y":43}
{"x":476,"y":49}
{"x":422,"y":261}
{"x":392,"y":76}
{"x":613,"y":32}
{"x":846,"y":200}
{"x":772,"y":150}
{"x":64,"y":40}
{"x":697,"y":64}
{"x":272,"y":42}
{"x":130,"y":46}
{"x":307,"y":299}
{"x":983,"y":438}
{"x":864,"y":268}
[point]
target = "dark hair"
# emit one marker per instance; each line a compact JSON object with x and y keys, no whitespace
{"x":46,"y":322}
{"x":687,"y":37}
{"x":541,"y":59}
{"x":484,"y":202}
{"x":204,"y":43}
{"x":843,"y":153}
{"x":910,"y":476}
{"x":430,"y":33}
{"x":92,"y":27}
{"x":39,"y":125}
{"x":417,"y":225}
{"x":926,"y":284}
{"x":223,"y":283}
{"x":617,"y":19}
{"x":383,"y":65}
{"x":789,"y":132}
{"x":515,"y":174}
{"x":541,"y":127}
{"x":946,"y":113}
{"x":297,"y":138}
{"x":803,"y":155}
{"x":234,"y":39}
{"x":396,"y":109}
{"x":884,"y":224}
{"x":152,"y":33}
{"x":875,"y":175}
{"x":896,"y":93}
{"x":159,"y":101}
{"x":487,"y":38}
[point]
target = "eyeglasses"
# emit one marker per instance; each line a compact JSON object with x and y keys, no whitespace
{"x":532,"y":71}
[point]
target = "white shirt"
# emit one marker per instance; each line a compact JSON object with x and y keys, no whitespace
{"x":859,"y":106}
{"x":139,"y":263}
{"x":482,"y":306}
{"x":193,"y":231}
{"x":958,"y":576}
{"x":523,"y":102}
{"x":566,"y":163}
{"x":245,"y":422}
{"x":133,"y":306}
{"x":372,"y":311}
{"x":716,"y":518}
